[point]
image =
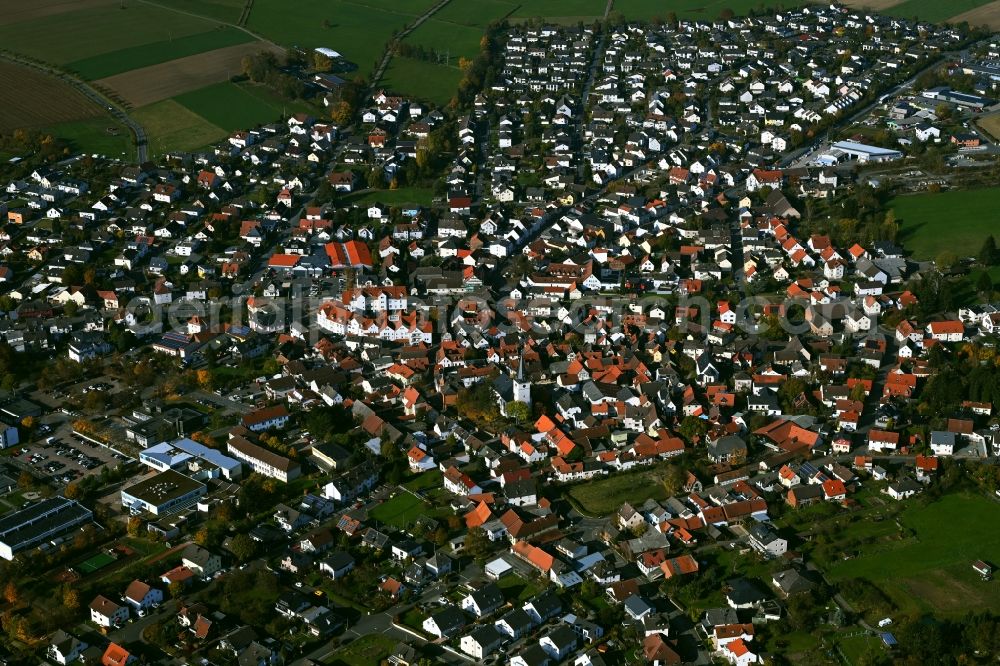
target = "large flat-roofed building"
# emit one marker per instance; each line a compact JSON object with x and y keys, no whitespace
{"x":163,"y":493}
{"x":862,"y":152}
{"x":40,"y":522}
{"x":263,"y":461}
{"x":197,"y":459}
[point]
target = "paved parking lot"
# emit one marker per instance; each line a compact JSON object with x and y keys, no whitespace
{"x":65,"y":457}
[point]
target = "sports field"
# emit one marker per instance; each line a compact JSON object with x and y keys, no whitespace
{"x":447,"y":38}
{"x":932,"y":570}
{"x":962,"y":218}
{"x":421,"y":79}
{"x":94,"y":563}
{"x":103,"y":136}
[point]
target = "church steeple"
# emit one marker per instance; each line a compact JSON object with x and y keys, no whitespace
{"x":522,"y":386}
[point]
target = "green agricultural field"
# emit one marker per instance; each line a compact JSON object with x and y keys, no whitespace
{"x":232,"y":107}
{"x":171,"y":126}
{"x":93,"y":136}
{"x":127,"y":59}
{"x":82,"y":34}
{"x":583,"y":9}
{"x":367,"y":650}
{"x":423,"y":80}
{"x":707,"y":10}
{"x":958,"y":221}
{"x":358,"y":31}
{"x":479,"y":14}
{"x":219,"y":10}
{"x":603,"y":497}
{"x":400,"y":511}
{"x":929,"y":10}
{"x":444,"y":37}
{"x":932,"y":571}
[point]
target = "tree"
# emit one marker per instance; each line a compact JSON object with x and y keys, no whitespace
{"x":134,"y":527}
{"x":243,"y":547}
{"x":477,"y":544}
{"x":519,"y":411}
{"x":693,"y":428}
{"x":673,"y":479}
{"x":988,"y":254}
{"x":984,"y":285}
{"x":70,"y":597}
{"x":945,"y":260}
{"x":176,"y":588}
{"x":25,"y":480}
{"x":10,"y":593}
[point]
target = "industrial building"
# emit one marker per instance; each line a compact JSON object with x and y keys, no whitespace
{"x":47,"y":520}
{"x":162,"y":494}
{"x":187,"y":455}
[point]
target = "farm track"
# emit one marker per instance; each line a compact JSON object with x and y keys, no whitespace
{"x":93,"y":95}
{"x":391,"y":46}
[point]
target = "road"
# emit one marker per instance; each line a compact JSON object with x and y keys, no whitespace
{"x":93,"y":95}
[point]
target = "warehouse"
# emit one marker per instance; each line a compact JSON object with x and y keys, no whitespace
{"x":862,"y":152}
{"x":40,"y":522}
{"x":162,"y":494}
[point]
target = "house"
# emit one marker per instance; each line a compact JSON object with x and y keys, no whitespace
{"x":559,"y":642}
{"x":903,"y":488}
{"x":337,"y":565}
{"x":116,"y":655}
{"x":201,"y":561}
{"x":445,"y":623}
{"x":766,"y":541}
{"x":942,"y":442}
{"x":106,"y":613}
{"x":790,"y":582}
{"x":65,"y":648}
{"x":481,"y":642}
{"x":483,"y":601}
{"x":141,"y":596}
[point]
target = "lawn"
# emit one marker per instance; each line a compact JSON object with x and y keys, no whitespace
{"x":418,"y":196}
{"x":93,"y":136}
{"x":962,"y":217}
{"x":929,"y":10}
{"x":425,"y":481}
{"x":516,"y":589}
{"x":367,"y":650}
{"x":230,"y":106}
{"x":134,"y":57}
{"x":171,"y":126}
{"x":933,"y":570}
{"x":424,"y":80}
{"x":358,"y":31}
{"x":400,"y":511}
{"x":80,"y":34}
{"x":600,"y":498}
{"x":859,"y":647}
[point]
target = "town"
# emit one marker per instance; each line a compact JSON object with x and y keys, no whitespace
{"x":656,"y":375}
